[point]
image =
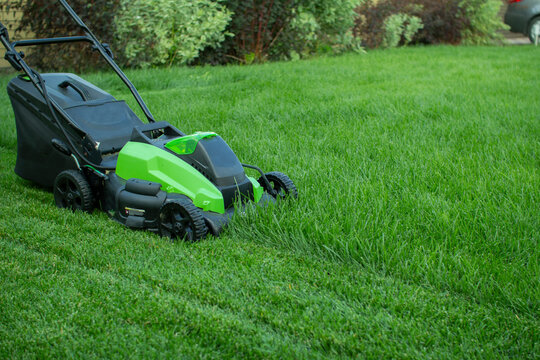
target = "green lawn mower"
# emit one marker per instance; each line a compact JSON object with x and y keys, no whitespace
{"x":94,"y":152}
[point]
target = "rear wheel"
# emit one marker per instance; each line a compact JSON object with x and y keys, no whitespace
{"x":72,"y":191}
{"x":281,"y":185}
{"x":180,"y":219}
{"x":534,"y":29}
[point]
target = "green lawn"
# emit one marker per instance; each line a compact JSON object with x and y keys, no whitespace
{"x":415,"y":235}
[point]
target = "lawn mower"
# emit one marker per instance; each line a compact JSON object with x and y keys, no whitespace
{"x":94,"y":152}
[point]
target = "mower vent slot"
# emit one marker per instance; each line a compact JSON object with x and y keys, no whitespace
{"x":201,"y":170}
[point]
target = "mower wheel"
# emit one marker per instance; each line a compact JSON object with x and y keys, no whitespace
{"x":282,"y":185}
{"x":180,"y":219}
{"x":72,"y":191}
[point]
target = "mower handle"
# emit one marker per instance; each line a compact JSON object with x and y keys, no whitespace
{"x":4,"y":32}
{"x":74,"y":15}
{"x":106,"y":52}
{"x":13,"y":57}
{"x":65,"y":84}
{"x":3,"y":29}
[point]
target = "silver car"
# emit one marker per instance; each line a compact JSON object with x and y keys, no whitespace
{"x":523,"y":16}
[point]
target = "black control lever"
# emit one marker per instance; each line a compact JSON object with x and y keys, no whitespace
{"x":61,"y":146}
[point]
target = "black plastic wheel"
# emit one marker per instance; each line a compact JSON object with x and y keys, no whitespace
{"x":180,"y":219}
{"x":72,"y":191}
{"x":281,"y":185}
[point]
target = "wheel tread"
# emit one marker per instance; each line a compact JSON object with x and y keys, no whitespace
{"x":199,"y":226}
{"x":291,"y":189}
{"x":87,"y":197}
{"x":198,"y":219}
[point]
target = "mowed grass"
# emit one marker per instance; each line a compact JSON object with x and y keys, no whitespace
{"x":415,"y":234}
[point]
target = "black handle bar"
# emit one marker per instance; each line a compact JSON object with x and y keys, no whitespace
{"x":106,"y":53}
{"x":15,"y":58}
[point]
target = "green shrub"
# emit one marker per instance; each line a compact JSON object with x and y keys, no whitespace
{"x":371,"y":21}
{"x":483,"y":21}
{"x":444,"y":21}
{"x":158,"y":32}
{"x":413,"y":24}
{"x":326,"y":24}
{"x":333,"y":16}
{"x":281,"y":29}
{"x":261,"y":30}
{"x":400,"y":28}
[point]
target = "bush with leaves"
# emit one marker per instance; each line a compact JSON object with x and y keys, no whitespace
{"x":260,"y":31}
{"x":47,"y":18}
{"x":275,"y":29}
{"x":159,"y":32}
{"x":439,"y":19}
{"x":400,"y":28}
{"x":444,"y":21}
{"x":483,"y":21}
{"x":370,"y":19}
{"x":325,"y":24}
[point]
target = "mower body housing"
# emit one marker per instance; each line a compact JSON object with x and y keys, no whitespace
{"x":147,"y":173}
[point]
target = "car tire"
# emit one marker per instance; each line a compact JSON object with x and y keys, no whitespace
{"x":534,"y":27}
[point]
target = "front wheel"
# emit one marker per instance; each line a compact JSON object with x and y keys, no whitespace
{"x":534,"y":30}
{"x":181,"y":219}
{"x":281,"y":185}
